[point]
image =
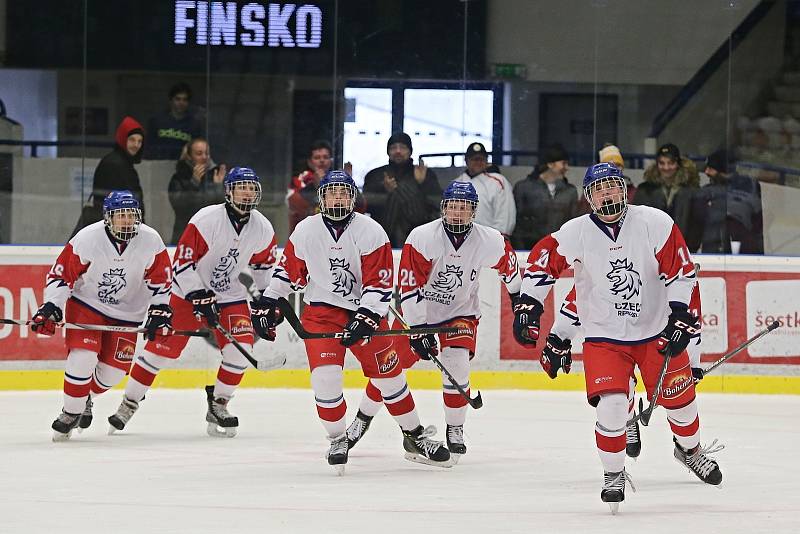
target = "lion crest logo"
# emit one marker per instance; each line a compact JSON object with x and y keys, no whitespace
{"x":112,"y":283}
{"x":343,"y":279}
{"x":221,"y":276}
{"x":625,"y":281}
{"x":448,"y":280}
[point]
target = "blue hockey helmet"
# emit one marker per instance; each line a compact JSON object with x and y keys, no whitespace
{"x":242,"y":189}
{"x":337,"y":195}
{"x":122,"y":214}
{"x":459,"y":206}
{"x":605,"y":189}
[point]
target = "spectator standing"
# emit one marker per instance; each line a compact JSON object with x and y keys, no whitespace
{"x":544,"y":199}
{"x":496,"y":206}
{"x":302,"y":197}
{"x":401,"y":196}
{"x":197,"y":183}
{"x":116,"y":172}
{"x":726,"y":213}
{"x":168,"y":132}
{"x":669,"y":184}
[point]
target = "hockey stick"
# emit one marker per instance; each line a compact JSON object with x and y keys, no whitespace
{"x":644,"y":415}
{"x":477,"y":402}
{"x":258,"y":364}
{"x":294,"y":321}
{"x":112,"y":328}
{"x":741,"y":347}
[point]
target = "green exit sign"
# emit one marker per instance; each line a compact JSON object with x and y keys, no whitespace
{"x":516,"y":71}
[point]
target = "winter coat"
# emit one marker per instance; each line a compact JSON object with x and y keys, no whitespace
{"x":188,"y":196}
{"x":114,"y":172}
{"x":539,"y":213}
{"x":727,"y":210}
{"x":405,"y":208}
{"x":675,"y":200}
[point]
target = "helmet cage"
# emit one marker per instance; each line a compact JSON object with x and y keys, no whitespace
{"x":342,"y":199}
{"x":602,"y":203}
{"x":123,"y":232}
{"x":452,"y":221}
{"x":239,"y":189}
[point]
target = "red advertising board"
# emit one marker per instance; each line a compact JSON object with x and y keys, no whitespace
{"x":21,"y":288}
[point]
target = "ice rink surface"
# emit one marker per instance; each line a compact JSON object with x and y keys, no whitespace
{"x":532,"y":466}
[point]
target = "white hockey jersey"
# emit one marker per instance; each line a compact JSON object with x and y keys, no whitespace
{"x":439,"y":282}
{"x":625,"y":275}
{"x":211,"y":253}
{"x":352,"y":269}
{"x":120,"y":286}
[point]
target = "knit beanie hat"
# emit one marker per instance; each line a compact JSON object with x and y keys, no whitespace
{"x":402,"y":138}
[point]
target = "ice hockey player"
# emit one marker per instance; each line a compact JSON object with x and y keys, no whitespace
{"x":558,"y":346}
{"x":344,"y":261}
{"x":114,"y":272}
{"x":439,"y":270}
{"x":633,"y":278}
{"x":219,"y":241}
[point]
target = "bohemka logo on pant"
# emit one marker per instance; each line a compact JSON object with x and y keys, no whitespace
{"x":240,"y":325}
{"x":125,"y":350}
{"x":387,"y":359}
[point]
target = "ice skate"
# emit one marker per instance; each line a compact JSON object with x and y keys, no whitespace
{"x":697,"y":461}
{"x":633,"y":440}
{"x":455,"y":442}
{"x":85,"y":420}
{"x":357,"y":428}
{"x":124,"y":413}
{"x":221,"y":424}
{"x":419,"y":448}
{"x":64,"y":424}
{"x":613,"y":491}
{"x":337,"y":454}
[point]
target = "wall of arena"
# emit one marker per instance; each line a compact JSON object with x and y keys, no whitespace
{"x":741,"y":295}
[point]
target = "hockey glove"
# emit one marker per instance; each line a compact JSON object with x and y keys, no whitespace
{"x":265,"y":315}
{"x":158,"y":316}
{"x":557,"y":353}
{"x":423,"y":344}
{"x":204,"y":303}
{"x":362,"y":324}
{"x":527,"y":311}
{"x":697,"y":373}
{"x":680,"y":329}
{"x":45,"y":319}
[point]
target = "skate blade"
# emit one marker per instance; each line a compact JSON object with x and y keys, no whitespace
{"x":220,"y":432}
{"x":111,"y":430}
{"x":454,"y":457}
{"x":614,"y":507}
{"x":339,"y":469}
{"x":420,"y":459}
{"x":59,"y":437}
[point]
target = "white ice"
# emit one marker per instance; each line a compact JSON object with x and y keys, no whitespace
{"x":531,"y":467}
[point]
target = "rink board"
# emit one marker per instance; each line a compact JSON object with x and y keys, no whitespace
{"x":417,"y":379}
{"x":741,"y":294}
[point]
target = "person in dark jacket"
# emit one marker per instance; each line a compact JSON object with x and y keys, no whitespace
{"x":116,"y":172}
{"x":169,"y":131}
{"x":197,"y":183}
{"x":727,"y":210}
{"x":544,"y":200}
{"x":669,"y":184}
{"x":401,"y":196}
